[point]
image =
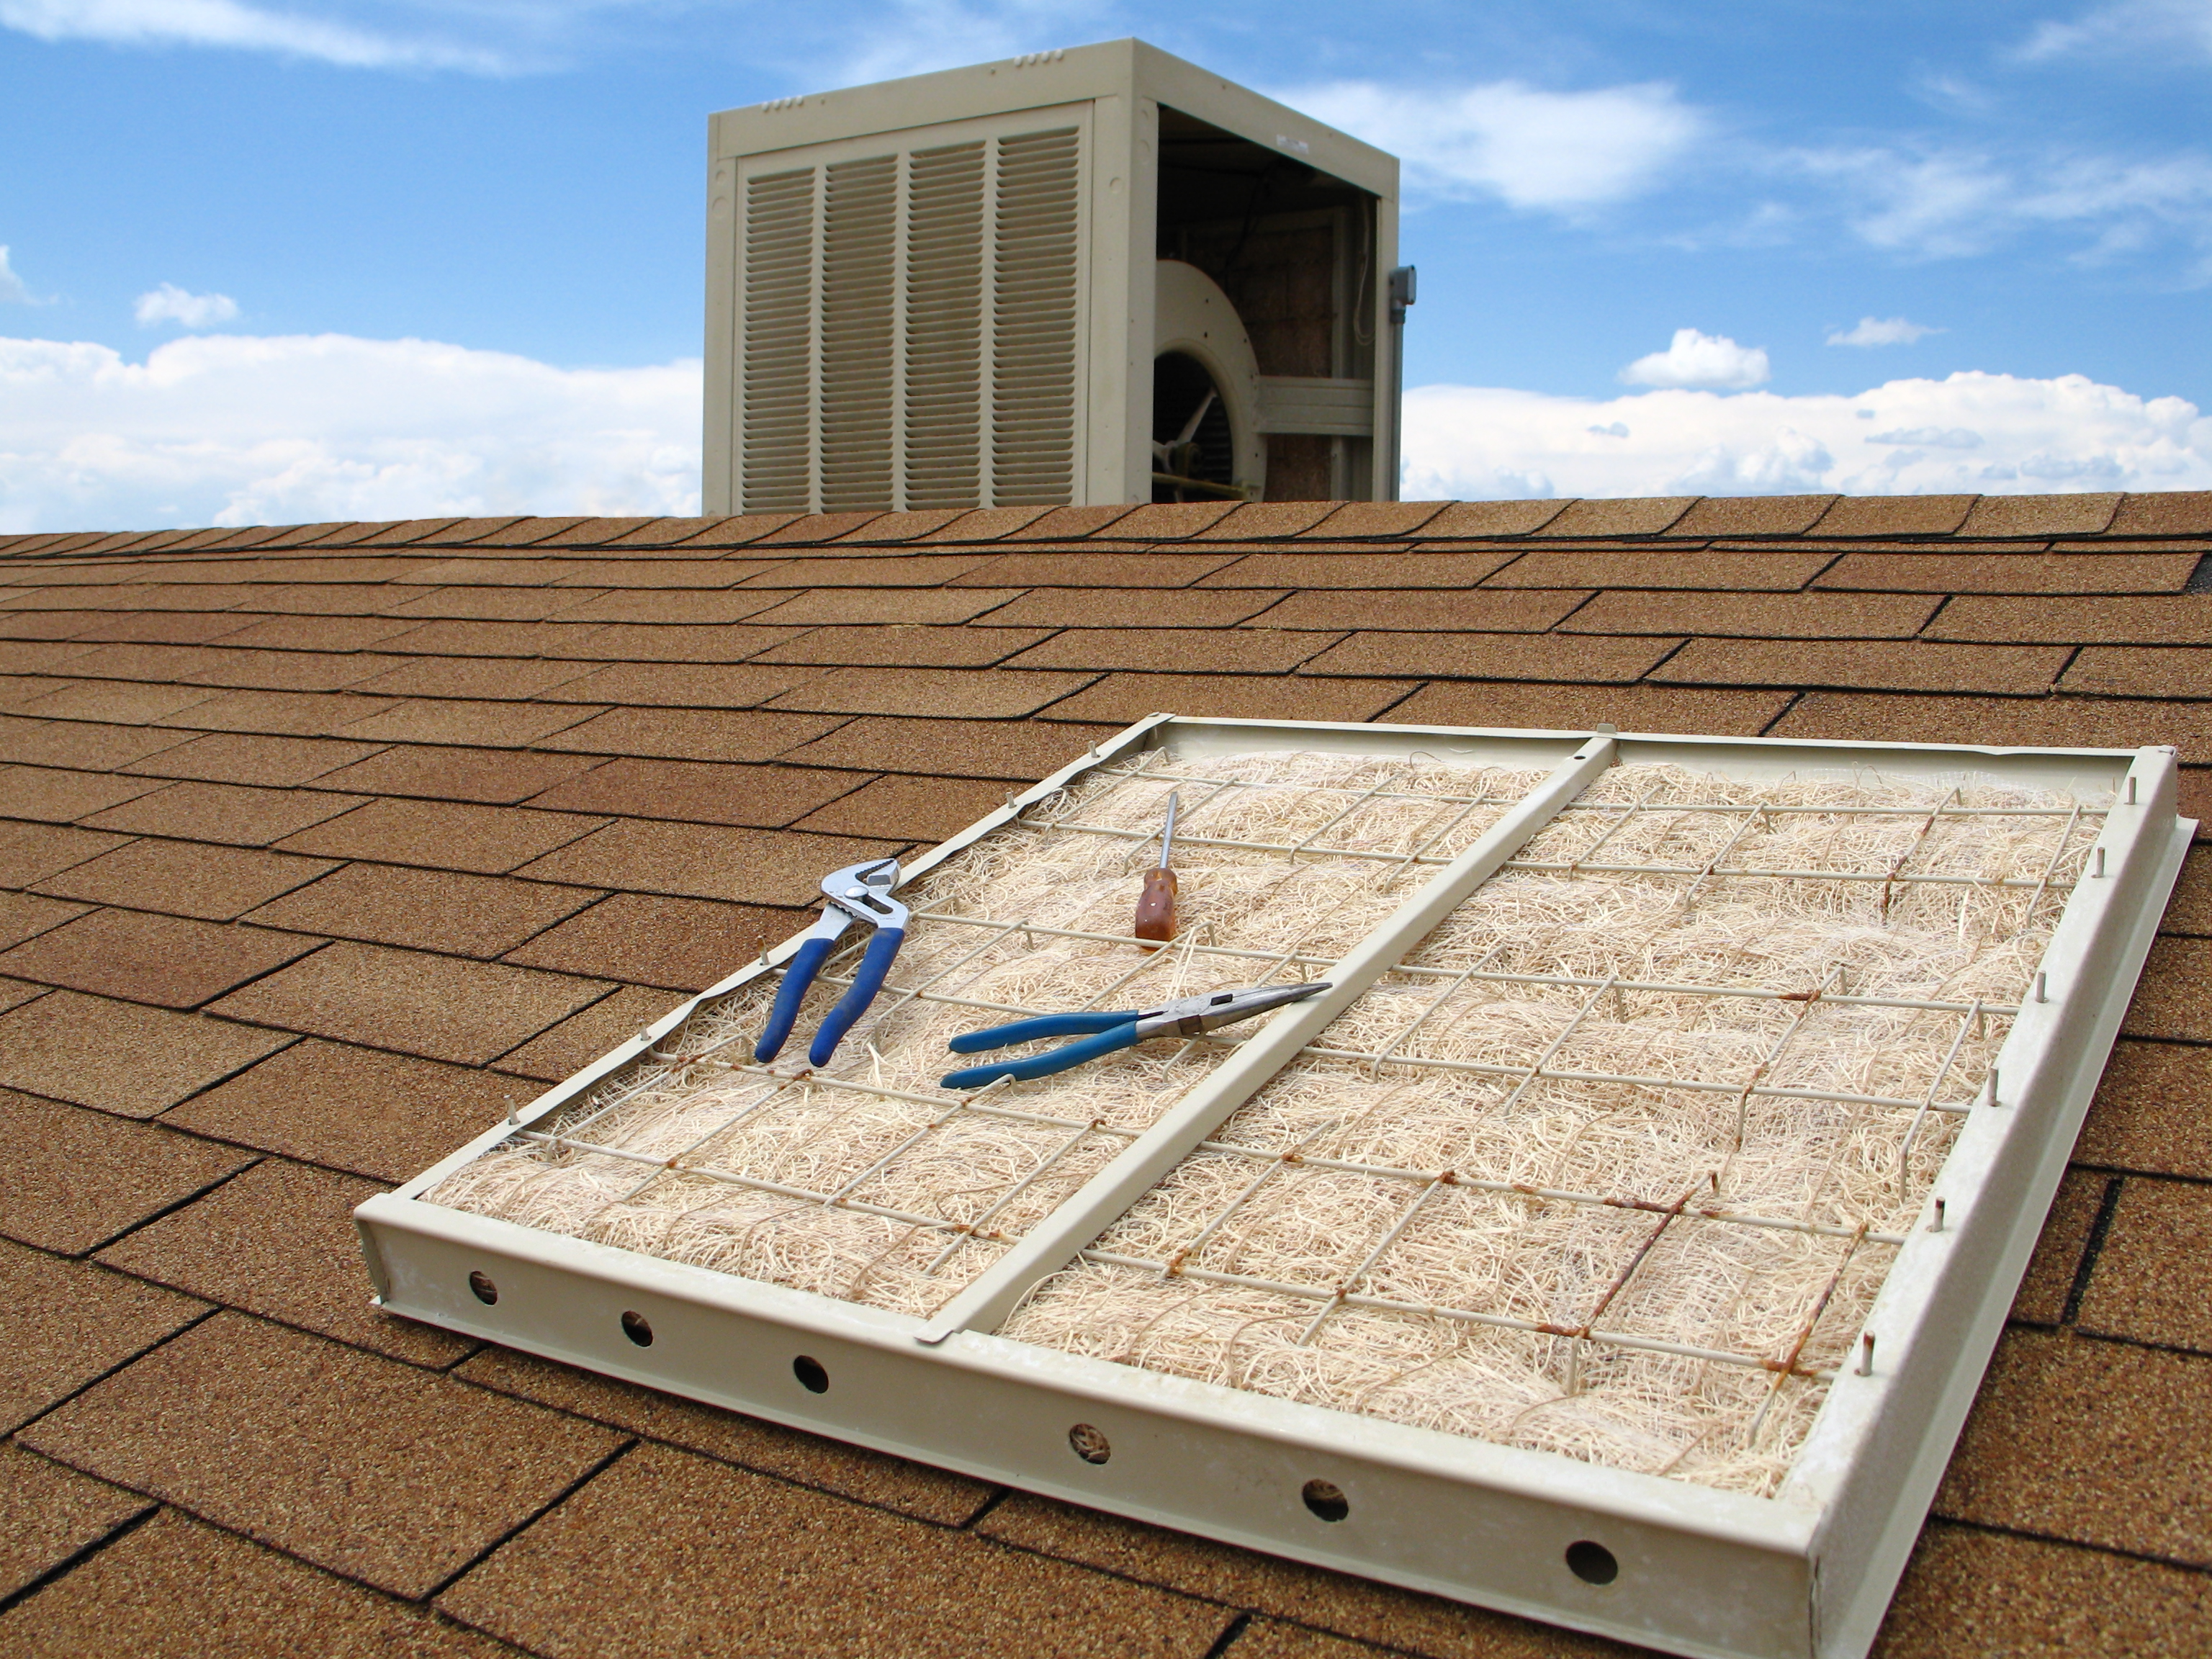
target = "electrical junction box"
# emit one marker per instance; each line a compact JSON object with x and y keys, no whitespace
{"x":1092,"y":276}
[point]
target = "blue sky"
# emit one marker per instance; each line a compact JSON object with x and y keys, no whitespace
{"x":2022,"y":191}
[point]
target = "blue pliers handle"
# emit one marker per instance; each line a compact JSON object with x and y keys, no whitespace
{"x":1107,"y":1032}
{"x":859,"y":892}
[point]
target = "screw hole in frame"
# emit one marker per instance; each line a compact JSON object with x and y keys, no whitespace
{"x":812,"y":1375}
{"x":482,"y":1288}
{"x":1592,"y":1562}
{"x":1091,"y":1445}
{"x":1326,"y":1499}
{"x":637,"y":1329}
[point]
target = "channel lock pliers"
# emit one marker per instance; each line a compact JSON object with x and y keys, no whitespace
{"x":859,"y":892}
{"x":1184,"y":1017}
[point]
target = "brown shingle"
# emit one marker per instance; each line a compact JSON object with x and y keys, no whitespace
{"x":957,"y":748}
{"x":1494,"y":657}
{"x":122,"y":702}
{"x":707,"y":734}
{"x":2072,"y":1438}
{"x":1480,"y":609}
{"x":903,"y":526}
{"x":701,"y":571}
{"x":1166,"y":521}
{"x":496,"y":639}
{"x":920,"y":646}
{"x":1903,"y":666}
{"x":741,"y":531}
{"x":1352,"y":520}
{"x":53,"y":795}
{"x":1363,"y":571}
{"x":119,"y":1056}
{"x":669,"y":605}
{"x":986,"y":524}
{"x":2153,"y":1280}
{"x":2174,"y":997}
{"x":1064,"y":524}
{"x":296,"y":713}
{"x":1579,"y":708}
{"x":703,"y":792}
{"x":426,"y":909}
{"x":84,"y":744}
{"x":225,"y":812}
{"x":2171,"y":513}
{"x":2148,"y":1113}
{"x":499,"y":678}
{"x":578,"y":1040}
{"x":1124,"y":699}
{"x":1753,"y":515}
{"x":174,"y":961}
{"x":667,"y":533}
{"x":867,"y":606}
{"x":1894,"y":515}
{"x":1242,"y":651}
{"x":293,"y":670}
{"x":62,"y":1324}
{"x":372,"y":1469}
{"x":696,"y":860}
{"x":480,"y":774}
{"x":2064,"y":722}
{"x":1459,"y":520}
{"x":701,"y":642}
{"x":2178,"y":618}
{"x":382,"y":1116}
{"x":946,"y":693}
{"x":1758,"y":615}
{"x":2012,"y":573}
{"x":2144,"y":670}
{"x":279,"y":1241}
{"x":43,"y":656}
{"x":1971,"y":1592}
{"x":681,"y":944}
{"x":889,"y":1483}
{"x":1109,"y":607}
{"x":32,"y":852}
{"x":1101,"y":567}
{"x":1769,"y":570}
{"x":2051,"y":1271}
{"x":814,"y":527}
{"x":178,"y":627}
{"x":2083,"y":514}
{"x":25,"y":915}
{"x":49,"y":1514}
{"x":907,"y":809}
{"x":243,"y":757}
{"x":435,"y":1006}
{"x":1220,"y":1572}
{"x":74,"y":1179}
{"x":492,"y":572}
{"x":217,"y":884}
{"x":1259,"y":521}
{"x":872,"y":570}
{"x":842,"y":1580}
{"x":443,"y":834}
{"x":487,"y":724}
{"x":2190,"y":910}
{"x":1646,"y":515}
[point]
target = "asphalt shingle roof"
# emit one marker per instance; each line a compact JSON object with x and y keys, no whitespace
{"x":321,"y":846}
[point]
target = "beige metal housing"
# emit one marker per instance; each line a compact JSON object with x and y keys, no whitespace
{"x":942,"y":291}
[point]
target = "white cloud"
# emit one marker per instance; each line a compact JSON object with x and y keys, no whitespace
{"x":1881,"y":332}
{"x":171,"y":304}
{"x":2131,"y":26}
{"x":1969,"y":432}
{"x":229,"y":24}
{"x":227,"y":429}
{"x":1557,"y":150}
{"x":1696,"y":359}
{"x":12,"y":291}
{"x":917,"y":36}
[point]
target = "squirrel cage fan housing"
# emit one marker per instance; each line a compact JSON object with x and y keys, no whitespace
{"x":1005,"y":285}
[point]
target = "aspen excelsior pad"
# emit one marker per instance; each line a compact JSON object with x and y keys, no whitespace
{"x":1781,"y":1094}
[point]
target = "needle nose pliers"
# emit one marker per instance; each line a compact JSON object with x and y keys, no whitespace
{"x":1184,"y":1017}
{"x":859,"y":892}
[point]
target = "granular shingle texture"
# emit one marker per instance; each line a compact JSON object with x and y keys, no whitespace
{"x":321,"y":848}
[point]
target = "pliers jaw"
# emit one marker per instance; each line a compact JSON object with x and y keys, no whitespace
{"x":1192,"y":1016}
{"x":859,"y":892}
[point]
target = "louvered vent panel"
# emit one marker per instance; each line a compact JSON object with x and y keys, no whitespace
{"x":860,"y":280}
{"x":945,"y":327}
{"x":1033,"y":362}
{"x":911,"y":334}
{"x":779,"y":340}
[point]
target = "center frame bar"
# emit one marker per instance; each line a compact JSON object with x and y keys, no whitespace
{"x":1807,"y":1572}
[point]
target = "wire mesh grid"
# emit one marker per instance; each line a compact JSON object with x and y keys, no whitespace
{"x":868,"y":1182}
{"x":1616,"y":1161}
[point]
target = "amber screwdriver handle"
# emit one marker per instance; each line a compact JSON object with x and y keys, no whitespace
{"x":1156,"y":917}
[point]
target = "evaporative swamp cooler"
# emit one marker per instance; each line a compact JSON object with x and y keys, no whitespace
{"x":1100,"y":274}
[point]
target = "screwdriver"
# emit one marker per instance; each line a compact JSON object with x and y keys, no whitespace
{"x":1155,"y":916}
